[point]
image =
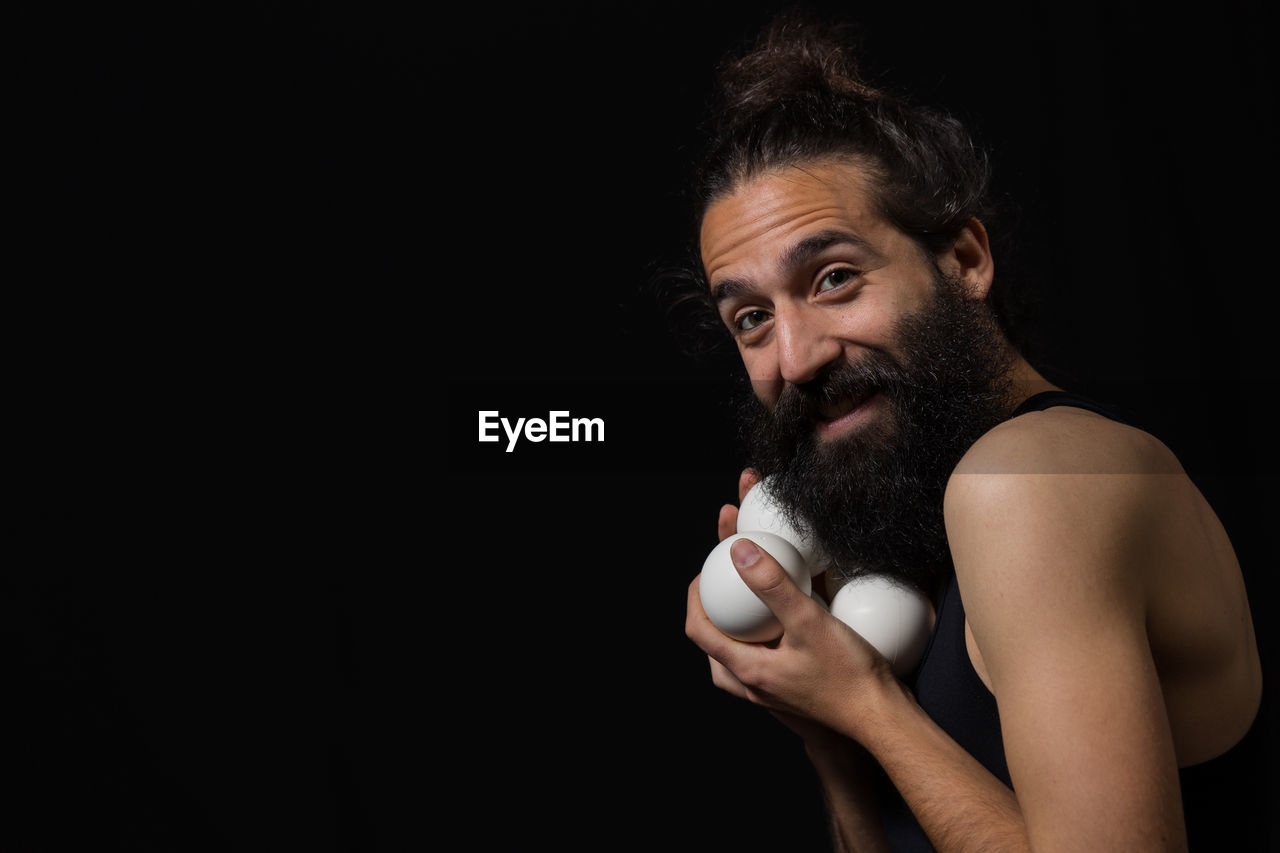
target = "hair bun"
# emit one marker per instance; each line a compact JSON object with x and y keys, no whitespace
{"x":797,"y":60}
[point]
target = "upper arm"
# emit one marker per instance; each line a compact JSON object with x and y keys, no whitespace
{"x":1049,"y":568}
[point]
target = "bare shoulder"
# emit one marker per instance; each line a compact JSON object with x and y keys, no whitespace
{"x":1064,"y":480}
{"x":1067,"y":440}
{"x":1072,"y":535}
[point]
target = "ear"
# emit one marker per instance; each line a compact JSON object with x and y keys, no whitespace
{"x":970,"y":259}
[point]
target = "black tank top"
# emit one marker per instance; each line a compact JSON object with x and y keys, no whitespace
{"x":1217,"y":798}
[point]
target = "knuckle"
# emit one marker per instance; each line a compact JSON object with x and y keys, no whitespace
{"x":768,"y":576}
{"x":752,"y":676}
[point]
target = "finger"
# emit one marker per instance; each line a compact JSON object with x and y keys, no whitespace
{"x":769,"y":581}
{"x":697,"y":624}
{"x":748,"y":478}
{"x":724,"y":679}
{"x":699,"y":628}
{"x":727,"y":524}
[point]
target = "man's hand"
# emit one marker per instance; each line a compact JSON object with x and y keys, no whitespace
{"x":814,"y":671}
{"x":843,"y":767}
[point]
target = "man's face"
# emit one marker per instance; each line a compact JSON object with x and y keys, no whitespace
{"x":805,"y":274}
{"x":873,"y":369}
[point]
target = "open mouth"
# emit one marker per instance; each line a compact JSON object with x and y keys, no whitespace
{"x":842,"y":414}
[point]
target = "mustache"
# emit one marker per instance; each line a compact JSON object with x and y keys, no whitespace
{"x":801,"y":404}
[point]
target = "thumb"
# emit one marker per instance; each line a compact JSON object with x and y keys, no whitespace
{"x":762,"y":572}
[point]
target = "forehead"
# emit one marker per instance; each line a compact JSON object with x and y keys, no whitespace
{"x":774,"y":209}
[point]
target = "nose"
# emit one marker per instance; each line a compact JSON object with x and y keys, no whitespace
{"x":804,"y":346}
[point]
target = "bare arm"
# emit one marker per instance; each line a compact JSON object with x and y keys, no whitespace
{"x":822,"y":672}
{"x":1086,"y":735}
{"x":844,"y":770}
{"x":846,"y":773}
{"x":1051,"y":567}
{"x":821,"y":654}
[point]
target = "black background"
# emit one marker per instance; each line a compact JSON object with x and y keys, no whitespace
{"x":278,"y":595}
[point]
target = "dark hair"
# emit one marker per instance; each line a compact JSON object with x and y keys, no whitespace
{"x":797,"y":96}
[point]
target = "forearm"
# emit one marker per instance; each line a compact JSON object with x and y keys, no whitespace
{"x":846,"y":775}
{"x":959,"y":804}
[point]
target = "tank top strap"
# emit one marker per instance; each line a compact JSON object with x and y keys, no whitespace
{"x":1048,"y":399}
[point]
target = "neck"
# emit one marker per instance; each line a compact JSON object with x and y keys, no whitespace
{"x":1027,"y":381}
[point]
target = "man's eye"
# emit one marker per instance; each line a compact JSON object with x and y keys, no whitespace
{"x":836,"y":278}
{"x":750,"y":320}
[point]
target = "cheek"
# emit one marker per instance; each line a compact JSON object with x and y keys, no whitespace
{"x":870,"y":321}
{"x":762,"y":369}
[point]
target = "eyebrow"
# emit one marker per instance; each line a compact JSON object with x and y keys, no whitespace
{"x":797,"y":256}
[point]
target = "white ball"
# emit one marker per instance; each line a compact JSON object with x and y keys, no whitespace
{"x":761,"y":511}
{"x":895,"y":619}
{"x":730,"y":603}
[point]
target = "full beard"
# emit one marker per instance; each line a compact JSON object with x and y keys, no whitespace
{"x":872,"y":499}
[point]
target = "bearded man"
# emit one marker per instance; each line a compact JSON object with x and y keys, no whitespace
{"x":1093,"y":641}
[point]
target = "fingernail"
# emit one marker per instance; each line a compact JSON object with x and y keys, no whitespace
{"x":744,"y":553}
